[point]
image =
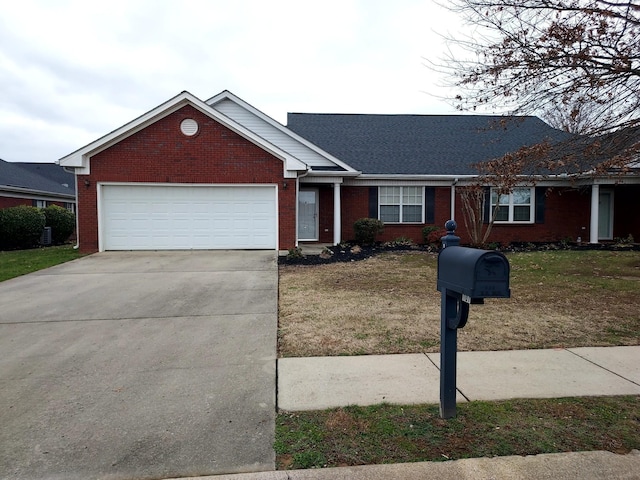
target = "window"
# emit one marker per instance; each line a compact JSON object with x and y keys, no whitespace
{"x":515,"y":207}
{"x":40,"y":203}
{"x":70,"y":207}
{"x":401,"y":204}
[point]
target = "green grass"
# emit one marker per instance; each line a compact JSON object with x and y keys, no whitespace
{"x":601,"y":270}
{"x":390,"y":433}
{"x":20,"y":262}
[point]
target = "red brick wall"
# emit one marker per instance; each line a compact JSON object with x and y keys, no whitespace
{"x":566,"y":216}
{"x":355,"y":205}
{"x":161,"y":153}
{"x":6,"y":202}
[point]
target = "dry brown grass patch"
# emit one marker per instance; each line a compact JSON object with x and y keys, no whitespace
{"x":389,"y":304}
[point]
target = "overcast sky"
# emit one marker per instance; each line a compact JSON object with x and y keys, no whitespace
{"x":72,"y":71}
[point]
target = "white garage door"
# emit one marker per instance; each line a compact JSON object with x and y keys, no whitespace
{"x":177,"y":217}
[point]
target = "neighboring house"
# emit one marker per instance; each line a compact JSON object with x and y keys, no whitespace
{"x":221,"y":174}
{"x":36,"y":184}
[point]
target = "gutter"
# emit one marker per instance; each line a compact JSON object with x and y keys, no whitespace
{"x":75,"y":177}
{"x":31,"y":191}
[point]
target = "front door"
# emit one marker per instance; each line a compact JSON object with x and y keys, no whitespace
{"x":605,"y":215}
{"x":308,"y":215}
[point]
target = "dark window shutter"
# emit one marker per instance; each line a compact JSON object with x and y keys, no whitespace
{"x":541,"y":195}
{"x":373,"y":202}
{"x":487,"y":205}
{"x":429,"y":204}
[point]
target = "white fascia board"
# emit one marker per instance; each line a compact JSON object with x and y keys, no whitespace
{"x":331,"y":173}
{"x":405,"y":177}
{"x":21,"y":192}
{"x":227,"y":95}
{"x":445,"y":180}
{"x":613,"y":180}
{"x":80,"y":158}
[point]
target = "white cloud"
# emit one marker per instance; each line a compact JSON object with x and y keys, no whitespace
{"x":71,"y":71}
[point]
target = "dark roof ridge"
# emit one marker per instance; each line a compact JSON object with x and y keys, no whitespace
{"x":456,"y":115}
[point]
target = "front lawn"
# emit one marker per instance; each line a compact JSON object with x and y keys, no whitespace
{"x":389,"y":304}
{"x":392,"y":433}
{"x":20,"y":262}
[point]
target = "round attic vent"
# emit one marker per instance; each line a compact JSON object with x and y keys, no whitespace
{"x":189,"y":127}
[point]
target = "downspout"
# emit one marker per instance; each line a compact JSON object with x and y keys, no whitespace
{"x":75,"y":176}
{"x":452,"y":215}
{"x":337,"y":215}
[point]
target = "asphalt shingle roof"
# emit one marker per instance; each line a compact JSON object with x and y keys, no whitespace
{"x":420,"y":144}
{"x":50,"y":178}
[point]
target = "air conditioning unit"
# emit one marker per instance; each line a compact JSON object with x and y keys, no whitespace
{"x":45,"y":238}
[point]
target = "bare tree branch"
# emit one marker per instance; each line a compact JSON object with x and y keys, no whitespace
{"x":527,"y":56}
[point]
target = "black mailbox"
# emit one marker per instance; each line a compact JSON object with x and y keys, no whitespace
{"x":474,"y":273}
{"x":465,"y":276}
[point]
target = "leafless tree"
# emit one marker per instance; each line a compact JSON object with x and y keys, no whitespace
{"x":577,"y":118}
{"x":577,"y":57}
{"x":525,"y":56}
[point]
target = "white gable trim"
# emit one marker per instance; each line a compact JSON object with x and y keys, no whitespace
{"x":227,"y":95}
{"x":80,"y":159}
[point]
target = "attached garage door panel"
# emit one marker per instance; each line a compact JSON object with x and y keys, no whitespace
{"x":137,"y":217}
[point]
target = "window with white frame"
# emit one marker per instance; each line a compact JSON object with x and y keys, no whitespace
{"x":514,"y":207}
{"x":40,"y":203}
{"x":401,"y":204}
{"x":70,"y":207}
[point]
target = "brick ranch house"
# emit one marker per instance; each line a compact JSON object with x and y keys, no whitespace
{"x":36,"y":184}
{"x":220,"y":174}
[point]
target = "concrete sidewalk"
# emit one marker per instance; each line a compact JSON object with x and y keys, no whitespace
{"x":561,"y":466}
{"x":325,"y":382}
{"x":315,"y":383}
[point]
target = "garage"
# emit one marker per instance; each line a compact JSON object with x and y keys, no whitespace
{"x":187,"y":217}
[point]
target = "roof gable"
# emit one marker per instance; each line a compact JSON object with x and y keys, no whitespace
{"x":277,"y":134}
{"x":80,"y":159}
{"x":420,"y":144}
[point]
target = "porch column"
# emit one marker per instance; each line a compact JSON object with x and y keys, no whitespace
{"x":595,"y":214}
{"x":452,"y":215}
{"x":337,"y":219}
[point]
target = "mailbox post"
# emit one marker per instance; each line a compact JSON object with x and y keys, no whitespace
{"x":465,"y":276}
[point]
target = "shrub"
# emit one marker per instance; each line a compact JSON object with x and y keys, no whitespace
{"x":61,"y":221}
{"x":20,"y":227}
{"x":295,"y":253}
{"x":399,"y":242}
{"x":433,"y":234}
{"x":367,"y":229}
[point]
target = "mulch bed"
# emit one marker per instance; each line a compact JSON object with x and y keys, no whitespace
{"x":351,"y":252}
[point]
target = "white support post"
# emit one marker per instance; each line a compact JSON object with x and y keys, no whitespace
{"x":452,"y":215}
{"x":595,"y":214}
{"x":337,"y":220}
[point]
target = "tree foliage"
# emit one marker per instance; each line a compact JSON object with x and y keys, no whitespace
{"x":528,"y":56}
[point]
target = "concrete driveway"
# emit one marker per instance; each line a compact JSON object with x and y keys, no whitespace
{"x":139,"y":365}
